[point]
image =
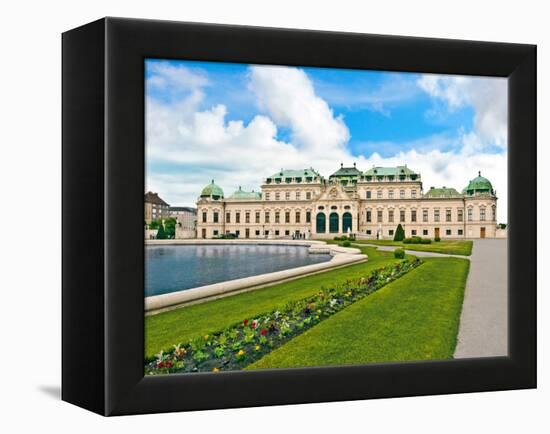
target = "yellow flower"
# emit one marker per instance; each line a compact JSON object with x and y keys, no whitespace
{"x":318,"y":310}
{"x":257,"y":348}
{"x":216,"y":370}
{"x":205,"y":337}
{"x":240,"y":353}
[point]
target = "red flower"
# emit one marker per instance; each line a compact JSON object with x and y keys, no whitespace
{"x":160,"y":364}
{"x":263,"y":332}
{"x":245,"y":322}
{"x":168,"y":364}
{"x":253,"y":324}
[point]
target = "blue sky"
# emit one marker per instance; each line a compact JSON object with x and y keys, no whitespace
{"x":238,"y":123}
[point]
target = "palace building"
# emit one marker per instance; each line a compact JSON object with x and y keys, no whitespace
{"x":304,"y":204}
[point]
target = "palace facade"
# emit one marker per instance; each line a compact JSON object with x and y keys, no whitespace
{"x":304,"y":204}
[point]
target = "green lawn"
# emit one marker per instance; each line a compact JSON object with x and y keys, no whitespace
{"x":414,"y":318}
{"x":450,"y":247}
{"x":164,"y":330}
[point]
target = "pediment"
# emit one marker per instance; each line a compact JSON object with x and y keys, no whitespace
{"x":334,"y":192}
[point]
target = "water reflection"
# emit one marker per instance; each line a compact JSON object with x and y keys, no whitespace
{"x":173,"y":268}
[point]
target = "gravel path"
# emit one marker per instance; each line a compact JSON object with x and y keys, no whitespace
{"x":483,"y":330}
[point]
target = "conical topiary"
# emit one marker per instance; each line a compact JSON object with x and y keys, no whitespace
{"x":399,"y":233}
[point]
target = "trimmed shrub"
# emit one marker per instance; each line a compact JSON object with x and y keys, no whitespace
{"x":399,"y":254}
{"x":399,"y":233}
{"x":161,"y":234}
{"x":425,"y":241}
{"x":346,"y":243}
{"x":437,"y":239}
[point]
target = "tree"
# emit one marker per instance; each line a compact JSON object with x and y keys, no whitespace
{"x":399,"y":233}
{"x":170,"y":227}
{"x":161,"y":234}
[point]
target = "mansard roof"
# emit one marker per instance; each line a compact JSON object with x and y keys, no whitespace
{"x":346,"y":171}
{"x":154,"y":198}
{"x":442,"y":192}
{"x":389,"y":171}
{"x":241,"y":194}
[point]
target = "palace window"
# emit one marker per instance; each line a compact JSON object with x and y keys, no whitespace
{"x":247,"y":217}
{"x":277,"y":196}
{"x":277,"y":217}
{"x":257,"y":233}
{"x":267,"y":196}
{"x":204,"y":217}
{"x":390,"y":194}
{"x":308,"y":195}
{"x":298,"y":217}
{"x":368,"y":194}
{"x":228,"y":217}
{"x":267,"y":216}
{"x":413,"y":215}
{"x":413,"y":232}
{"x":413,"y":194}
{"x":401,"y":194}
{"x":287,"y":195}
{"x":460,"y":215}
{"x":321,"y":208}
{"x":369,"y":232}
{"x":402,"y":215}
{"x":447,"y":232}
{"x":277,"y":233}
{"x":390,"y":215}
{"x":436,"y":215}
{"x":494,"y":214}
{"x":216,"y":217}
{"x":216,"y":233}
{"x":470,"y":214}
{"x":237,"y":217}
{"x":460,"y":232}
{"x":424,"y":232}
{"x":287,"y":233}
{"x":379,"y":216}
{"x":287,"y":216}
{"x":379,"y":194}
{"x":257,"y":216}
{"x":298,"y":195}
{"x":369,"y":216}
{"x":482,"y":214}
{"x":425,"y":215}
{"x":308,"y":216}
{"x":447,"y":215}
{"x":390,"y":232}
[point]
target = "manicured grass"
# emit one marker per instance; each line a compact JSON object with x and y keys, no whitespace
{"x":414,"y":318}
{"x":164,"y":330}
{"x":450,"y":247}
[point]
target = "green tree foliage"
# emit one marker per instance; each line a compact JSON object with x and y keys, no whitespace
{"x":161,"y":234}
{"x":399,"y":233}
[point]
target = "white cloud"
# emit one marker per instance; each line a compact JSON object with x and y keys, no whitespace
{"x":288,"y":96}
{"x":206,"y":145}
{"x":487,"y":95}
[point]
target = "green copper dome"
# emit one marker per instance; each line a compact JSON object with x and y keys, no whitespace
{"x":479,"y":185}
{"x":212,"y":190}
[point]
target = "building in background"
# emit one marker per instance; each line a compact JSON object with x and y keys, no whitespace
{"x":186,"y":226}
{"x":155,"y":207}
{"x":303,"y":204}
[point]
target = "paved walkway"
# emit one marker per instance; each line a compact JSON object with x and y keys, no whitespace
{"x":484,"y":321}
{"x":483,"y":330}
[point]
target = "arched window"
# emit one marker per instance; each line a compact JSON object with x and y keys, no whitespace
{"x":333,"y":223}
{"x":321,"y":223}
{"x":346,"y":222}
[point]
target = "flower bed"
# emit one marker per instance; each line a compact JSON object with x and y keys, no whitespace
{"x":242,"y":344}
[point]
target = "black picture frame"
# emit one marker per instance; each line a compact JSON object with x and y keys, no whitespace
{"x":103,"y":182}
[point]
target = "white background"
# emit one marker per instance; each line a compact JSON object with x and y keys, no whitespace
{"x":30,"y":164}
